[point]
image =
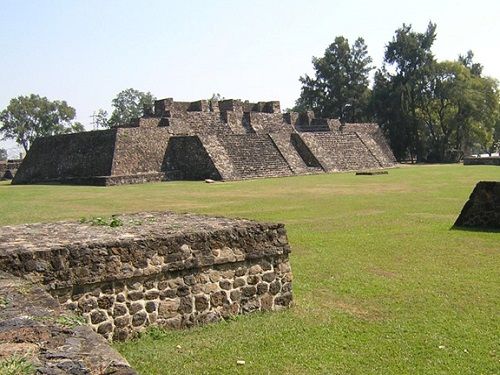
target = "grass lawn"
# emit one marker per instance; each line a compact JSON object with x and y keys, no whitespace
{"x":381,"y":283}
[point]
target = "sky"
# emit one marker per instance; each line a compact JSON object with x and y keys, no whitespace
{"x":86,"y":52}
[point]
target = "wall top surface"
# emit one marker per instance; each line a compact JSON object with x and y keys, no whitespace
{"x":134,"y":227}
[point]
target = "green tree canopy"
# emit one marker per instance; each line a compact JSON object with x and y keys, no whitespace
{"x":341,"y":80}
{"x":127,"y":105}
{"x":3,"y":154}
{"x":398,"y":85}
{"x":459,"y":109}
{"x":433,"y":111}
{"x":29,"y":117}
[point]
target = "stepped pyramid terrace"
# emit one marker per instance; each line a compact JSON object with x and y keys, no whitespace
{"x":221,"y":140}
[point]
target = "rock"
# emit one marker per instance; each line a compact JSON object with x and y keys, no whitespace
{"x":209,"y":181}
{"x":105,"y":328}
{"x":168,"y":308}
{"x":225,"y":284}
{"x":269,"y":276}
{"x":284,"y":299}
{"x":152,"y":294}
{"x":98,"y":316}
{"x":275,"y":287}
{"x":254,"y":270}
{"x":266,"y":302}
{"x":218,"y":298}
{"x":119,"y":310}
{"x":262,"y":288}
{"x":135,"y":295}
{"x":239,"y":282}
{"x":122,"y":321}
{"x":135,"y":307}
{"x":253,"y":279}
{"x":185,"y":305}
{"x":249,"y":291}
{"x":201,"y":303}
{"x":182,"y":291}
{"x":86,"y":304}
{"x":235,"y":295}
{"x":139,"y":319}
{"x":250,"y":305}
{"x":150,"y":306}
{"x":105,"y":302}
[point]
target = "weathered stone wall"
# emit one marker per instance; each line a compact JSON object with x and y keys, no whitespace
{"x":350,"y":152}
{"x":372,"y":136}
{"x":301,"y":161}
{"x":191,"y":123}
{"x":482,"y":210}
{"x":305,"y":152}
{"x":492,"y":160}
{"x":264,"y":123}
{"x":187,"y":159}
{"x":139,"y":151}
{"x":68,"y":158}
{"x":157,"y":268}
{"x":34,"y":326}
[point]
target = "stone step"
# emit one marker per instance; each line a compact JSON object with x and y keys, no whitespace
{"x":254,"y":155}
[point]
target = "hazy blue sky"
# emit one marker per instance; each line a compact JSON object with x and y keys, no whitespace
{"x":86,"y":51}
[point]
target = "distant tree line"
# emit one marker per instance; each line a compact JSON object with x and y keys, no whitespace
{"x":29,"y":117}
{"x":430,"y":111}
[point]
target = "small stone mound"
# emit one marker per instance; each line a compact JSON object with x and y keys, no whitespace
{"x":482,"y":210}
{"x":9,"y":174}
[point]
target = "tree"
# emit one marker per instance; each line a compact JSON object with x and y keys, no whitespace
{"x":476,"y":69}
{"x":433,"y":111}
{"x":3,"y":154}
{"x":341,"y":80}
{"x":29,"y":117}
{"x":408,"y":60}
{"x":100,"y":119}
{"x":127,"y":105}
{"x":458,"y":108}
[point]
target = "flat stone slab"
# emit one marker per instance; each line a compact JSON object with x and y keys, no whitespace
{"x":371,"y":173}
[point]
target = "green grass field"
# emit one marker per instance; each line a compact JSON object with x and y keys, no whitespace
{"x":381,"y":283}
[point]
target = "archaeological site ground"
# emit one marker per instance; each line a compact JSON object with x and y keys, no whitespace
{"x":382,"y":282}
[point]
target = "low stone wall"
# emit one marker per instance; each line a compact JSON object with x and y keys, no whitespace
{"x":51,"y":340}
{"x":482,"y":210}
{"x":492,"y":160}
{"x":153,"y":268}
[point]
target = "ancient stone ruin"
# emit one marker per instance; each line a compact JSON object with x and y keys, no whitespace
{"x":482,"y":210}
{"x":476,"y":160}
{"x":219,"y":140}
{"x":153,"y":268}
{"x":122,"y":274}
{"x":8,"y":168}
